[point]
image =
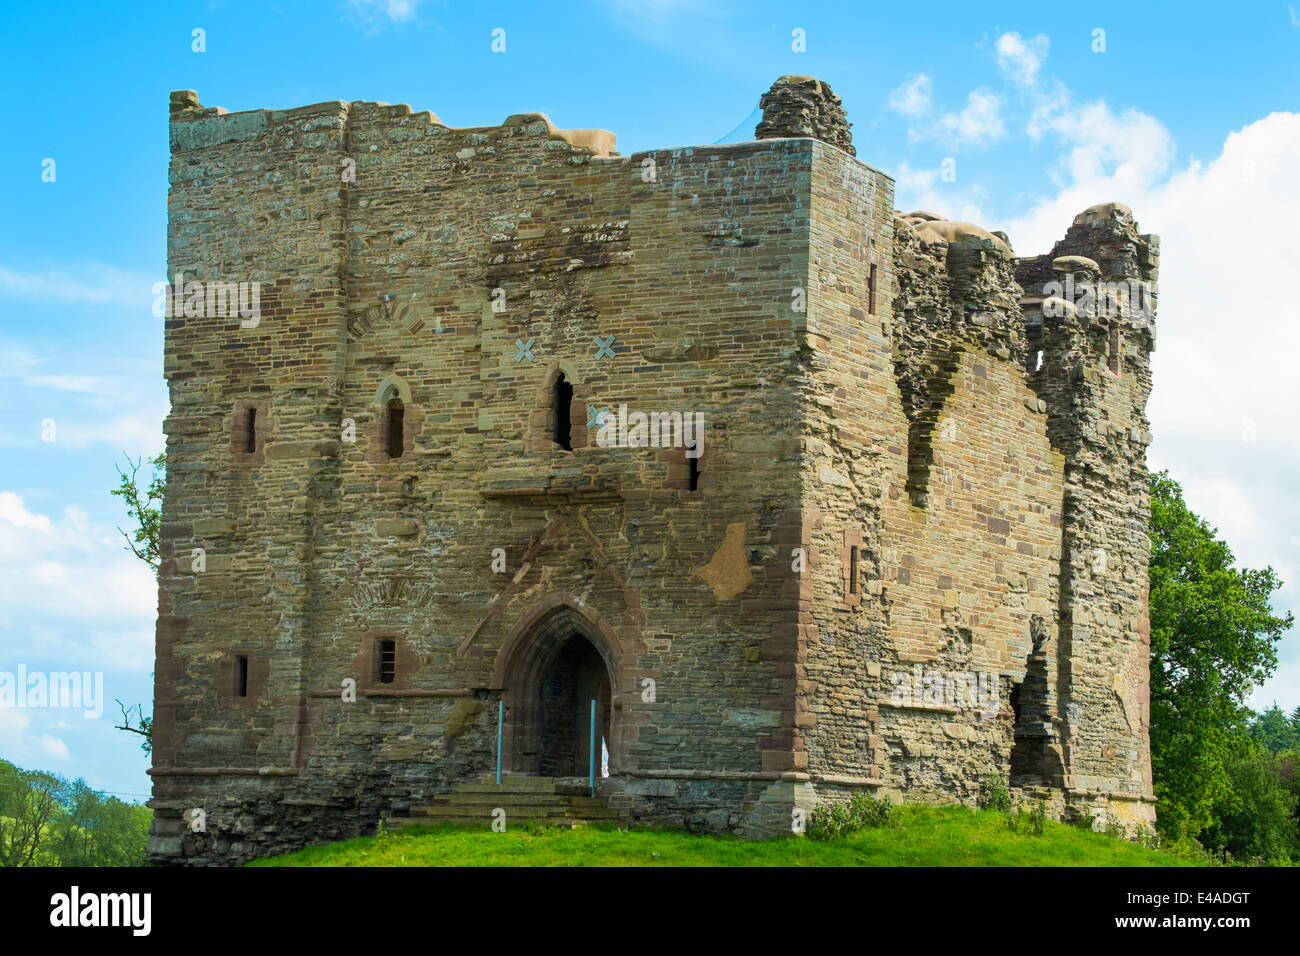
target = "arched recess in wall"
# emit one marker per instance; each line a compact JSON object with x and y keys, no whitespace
{"x":393,"y":386}
{"x":925,"y":397}
{"x":558,"y":419}
{"x":557,"y":659}
{"x":393,"y":429}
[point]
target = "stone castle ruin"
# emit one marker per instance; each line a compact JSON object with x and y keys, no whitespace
{"x":904,"y":549}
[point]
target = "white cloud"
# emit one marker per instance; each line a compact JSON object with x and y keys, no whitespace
{"x":913,"y":98}
{"x":134,"y":434}
{"x":1020,"y":58}
{"x":25,"y":745}
{"x":689,"y":28}
{"x":87,"y":282}
{"x":924,"y":189}
{"x":979,"y":123}
{"x":1295,"y":18}
{"x":68,"y":575}
{"x":374,"y":12}
{"x":1103,"y":154}
{"x":654,"y":11}
{"x":86,"y":409}
{"x":52,"y":746}
{"x":21,"y":364}
{"x":12,"y":510}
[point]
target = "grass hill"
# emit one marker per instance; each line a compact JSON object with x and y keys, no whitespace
{"x":919,"y":836}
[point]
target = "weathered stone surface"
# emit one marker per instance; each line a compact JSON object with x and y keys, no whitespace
{"x":462,"y":716}
{"x":728,"y":573}
{"x":804,"y":106}
{"x":910,"y":554}
{"x":396,"y":527}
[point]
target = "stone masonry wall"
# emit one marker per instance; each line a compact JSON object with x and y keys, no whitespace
{"x":911,"y":554}
{"x":1095,"y":379}
{"x":318,"y":547}
{"x":935,"y":464}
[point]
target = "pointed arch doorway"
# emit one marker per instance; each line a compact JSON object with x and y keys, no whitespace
{"x":560,"y":659}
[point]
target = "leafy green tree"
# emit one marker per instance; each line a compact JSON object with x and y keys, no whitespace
{"x":47,"y":821}
{"x":1255,"y":817}
{"x":145,"y":510}
{"x":99,"y":831}
{"x":1274,"y":730}
{"x":30,"y":801}
{"x":1213,"y":639}
{"x":1287,"y":765}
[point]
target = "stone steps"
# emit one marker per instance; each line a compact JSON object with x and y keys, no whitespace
{"x":512,"y":800}
{"x":542,"y":799}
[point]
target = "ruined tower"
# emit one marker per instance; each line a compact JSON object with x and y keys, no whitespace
{"x":440,"y":458}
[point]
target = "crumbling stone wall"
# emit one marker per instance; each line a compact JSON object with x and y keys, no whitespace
{"x":1095,"y":379}
{"x":934,"y":461}
{"x":804,"y":106}
{"x":888,"y":480}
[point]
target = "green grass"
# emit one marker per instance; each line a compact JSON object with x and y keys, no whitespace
{"x":924,"y":836}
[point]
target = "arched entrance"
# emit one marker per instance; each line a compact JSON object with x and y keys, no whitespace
{"x":559,"y":660}
{"x":575,"y":679}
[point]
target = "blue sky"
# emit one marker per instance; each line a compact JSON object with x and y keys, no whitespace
{"x":1188,"y":115}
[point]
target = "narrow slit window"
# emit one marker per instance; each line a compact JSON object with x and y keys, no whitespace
{"x":563,"y":426}
{"x":250,"y":442}
{"x":396,"y":415}
{"x":853,"y":569}
{"x":1112,"y":348}
{"x":871,"y":290}
{"x":693,"y":468}
{"x":387,"y":661}
{"x":1038,"y":359}
{"x":241,"y":676}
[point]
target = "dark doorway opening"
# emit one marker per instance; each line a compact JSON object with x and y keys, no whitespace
{"x":574,"y":679}
{"x":1036,"y":759}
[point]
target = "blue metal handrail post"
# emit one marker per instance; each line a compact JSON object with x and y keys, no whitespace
{"x":591,"y":754}
{"x":501,"y":719}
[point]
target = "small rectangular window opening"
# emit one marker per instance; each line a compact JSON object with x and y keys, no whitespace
{"x":387,"y":661}
{"x":853,"y":569}
{"x":241,"y":676}
{"x":871,"y":290}
{"x":251,"y":443}
{"x":693,"y":464}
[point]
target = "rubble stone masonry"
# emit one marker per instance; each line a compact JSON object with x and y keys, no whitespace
{"x":373,"y":531}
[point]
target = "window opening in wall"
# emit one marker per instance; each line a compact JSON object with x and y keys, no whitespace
{"x":871,"y":291}
{"x":396,"y":414}
{"x":251,"y":435}
{"x":693,"y":466}
{"x":1034,"y":341}
{"x":853,"y":569}
{"x":563,"y":427}
{"x":1112,"y":348}
{"x":387,"y":661}
{"x":241,"y":676}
